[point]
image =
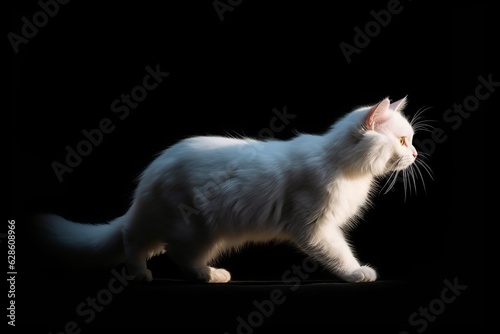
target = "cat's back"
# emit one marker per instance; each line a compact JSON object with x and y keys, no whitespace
{"x":195,"y":160}
{"x":213,"y":142}
{"x":201,"y":147}
{"x":197,"y":156}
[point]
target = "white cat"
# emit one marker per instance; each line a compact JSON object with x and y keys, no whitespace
{"x":206,"y":195}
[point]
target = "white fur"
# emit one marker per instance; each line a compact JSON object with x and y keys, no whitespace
{"x":206,"y":195}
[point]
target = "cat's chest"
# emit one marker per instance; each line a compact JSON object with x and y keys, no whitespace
{"x":347,"y":197}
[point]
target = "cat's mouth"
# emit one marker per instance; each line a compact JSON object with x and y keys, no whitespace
{"x":400,"y":163}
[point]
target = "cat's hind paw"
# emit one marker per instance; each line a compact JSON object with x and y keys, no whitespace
{"x":362,"y":274}
{"x":143,"y":276}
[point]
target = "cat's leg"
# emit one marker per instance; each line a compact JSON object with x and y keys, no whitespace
{"x":328,"y":246}
{"x":136,"y":256}
{"x":192,"y":258}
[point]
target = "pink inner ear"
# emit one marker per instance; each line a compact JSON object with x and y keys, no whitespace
{"x":400,"y":104}
{"x":377,"y":114}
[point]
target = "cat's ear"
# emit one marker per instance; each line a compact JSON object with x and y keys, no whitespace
{"x":377,"y":114}
{"x":398,"y":105}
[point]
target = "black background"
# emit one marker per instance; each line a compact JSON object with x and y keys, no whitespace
{"x":225,"y":78}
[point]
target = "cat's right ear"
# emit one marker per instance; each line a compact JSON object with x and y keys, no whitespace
{"x":377,"y":114}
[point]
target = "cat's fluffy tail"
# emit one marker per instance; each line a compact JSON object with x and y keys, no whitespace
{"x":82,"y":245}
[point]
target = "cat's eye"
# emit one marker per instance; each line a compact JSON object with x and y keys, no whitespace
{"x":402,"y":140}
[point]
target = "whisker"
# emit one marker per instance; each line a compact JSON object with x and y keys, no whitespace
{"x":424,"y":155}
{"x":406,"y":184}
{"x":391,"y":180}
{"x":405,"y":181}
{"x":420,"y":173}
{"x":427,"y":168}
{"x":419,"y":124}
{"x":423,"y":126}
{"x":418,"y":115}
{"x":413,"y":175}
{"x":409,"y":176}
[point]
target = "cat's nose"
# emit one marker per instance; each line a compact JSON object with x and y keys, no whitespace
{"x":414,"y":154}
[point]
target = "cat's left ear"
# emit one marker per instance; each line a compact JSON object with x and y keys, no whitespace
{"x":378,"y":114}
{"x":398,"y":105}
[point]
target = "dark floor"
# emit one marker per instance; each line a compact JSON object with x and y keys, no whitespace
{"x":65,"y":304}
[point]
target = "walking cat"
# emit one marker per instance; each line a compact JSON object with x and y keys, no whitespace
{"x":207,"y":195}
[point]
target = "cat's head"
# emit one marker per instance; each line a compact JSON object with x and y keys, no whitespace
{"x":392,"y":134}
{"x":378,"y":139}
{"x":387,"y":138}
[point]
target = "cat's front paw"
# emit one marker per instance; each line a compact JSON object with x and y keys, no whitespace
{"x":362,"y":274}
{"x":219,"y":275}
